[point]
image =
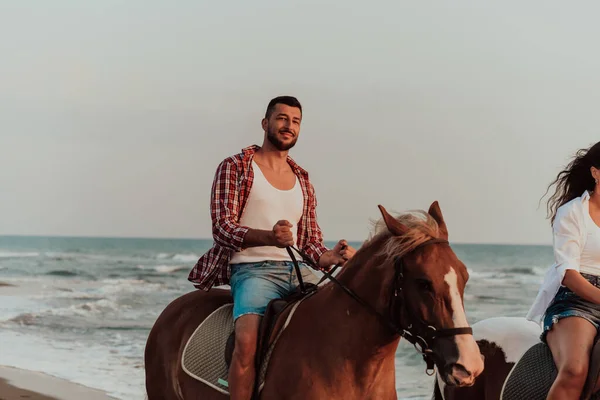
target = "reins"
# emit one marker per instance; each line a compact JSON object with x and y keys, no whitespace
{"x":421,"y":337}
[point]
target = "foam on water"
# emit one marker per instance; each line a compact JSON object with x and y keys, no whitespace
{"x":191,"y":258}
{"x":13,"y":306}
{"x":95,"y":366}
{"x":15,"y":254}
{"x":164,"y":269}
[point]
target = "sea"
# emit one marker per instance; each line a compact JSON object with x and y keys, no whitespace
{"x":81,"y":308}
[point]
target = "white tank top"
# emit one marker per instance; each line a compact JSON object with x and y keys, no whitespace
{"x":264,"y":207}
{"x":590,"y":256}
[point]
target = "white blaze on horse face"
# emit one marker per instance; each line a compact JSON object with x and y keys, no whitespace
{"x":469,"y":355}
{"x":458,"y":312}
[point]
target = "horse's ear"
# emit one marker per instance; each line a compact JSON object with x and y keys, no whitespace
{"x":392,"y":223}
{"x":436,"y":213}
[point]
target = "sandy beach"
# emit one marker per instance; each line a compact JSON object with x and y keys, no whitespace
{"x":17,"y":384}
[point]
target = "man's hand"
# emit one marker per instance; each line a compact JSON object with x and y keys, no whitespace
{"x":340,"y":254}
{"x":279,"y":236}
{"x":282,"y":235}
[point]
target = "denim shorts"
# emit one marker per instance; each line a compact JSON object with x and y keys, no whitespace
{"x":254,"y":285}
{"x":567,"y":304}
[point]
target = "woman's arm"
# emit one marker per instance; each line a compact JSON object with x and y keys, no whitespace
{"x":581,"y":287}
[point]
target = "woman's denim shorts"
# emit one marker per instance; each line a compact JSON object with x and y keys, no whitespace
{"x":567,"y":304}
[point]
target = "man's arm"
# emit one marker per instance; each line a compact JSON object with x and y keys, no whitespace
{"x":225,"y":209}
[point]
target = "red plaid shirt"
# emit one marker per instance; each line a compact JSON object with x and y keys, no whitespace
{"x":231,"y":186}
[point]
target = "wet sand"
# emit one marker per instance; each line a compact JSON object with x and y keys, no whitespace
{"x":17,"y":384}
{"x":9,"y":392}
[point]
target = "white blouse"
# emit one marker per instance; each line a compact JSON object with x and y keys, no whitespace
{"x":576,"y":241}
{"x":590,"y":256}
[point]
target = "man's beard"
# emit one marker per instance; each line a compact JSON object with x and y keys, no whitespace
{"x":278,"y":143}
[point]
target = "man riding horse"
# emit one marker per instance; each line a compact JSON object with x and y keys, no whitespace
{"x":261,"y":203}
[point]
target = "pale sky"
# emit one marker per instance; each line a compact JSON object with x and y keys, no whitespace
{"x":115,"y":114}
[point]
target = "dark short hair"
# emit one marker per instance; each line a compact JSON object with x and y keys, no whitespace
{"x":287,"y":100}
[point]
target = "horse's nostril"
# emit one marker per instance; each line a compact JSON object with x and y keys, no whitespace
{"x":460,"y":372}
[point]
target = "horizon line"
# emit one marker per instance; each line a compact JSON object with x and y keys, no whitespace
{"x":211,"y":239}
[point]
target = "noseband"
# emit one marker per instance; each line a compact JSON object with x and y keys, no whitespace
{"x":419,"y":333}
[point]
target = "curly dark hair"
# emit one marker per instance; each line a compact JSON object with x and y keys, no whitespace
{"x":576,"y":178}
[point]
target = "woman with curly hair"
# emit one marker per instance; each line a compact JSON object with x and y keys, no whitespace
{"x":568,"y":302}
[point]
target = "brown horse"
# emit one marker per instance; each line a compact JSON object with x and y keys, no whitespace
{"x":341,"y":343}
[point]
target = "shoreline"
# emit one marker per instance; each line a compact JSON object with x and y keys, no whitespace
{"x":24,"y":375}
{"x":18,"y":384}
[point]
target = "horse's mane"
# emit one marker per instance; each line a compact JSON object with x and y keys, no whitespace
{"x":421,"y":227}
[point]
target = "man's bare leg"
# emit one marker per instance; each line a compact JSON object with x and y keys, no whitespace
{"x":242,"y":371}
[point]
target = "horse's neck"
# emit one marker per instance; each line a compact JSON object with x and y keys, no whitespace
{"x":355,"y":341}
{"x":371,"y":283}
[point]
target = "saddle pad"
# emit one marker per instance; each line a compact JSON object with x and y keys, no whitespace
{"x":204,"y":354}
{"x":532,"y":376}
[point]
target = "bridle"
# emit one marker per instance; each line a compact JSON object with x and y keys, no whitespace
{"x":419,"y":333}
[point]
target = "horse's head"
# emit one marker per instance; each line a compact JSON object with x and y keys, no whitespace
{"x":427,"y":283}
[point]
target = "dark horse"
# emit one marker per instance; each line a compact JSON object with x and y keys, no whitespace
{"x":405,"y":281}
{"x":504,"y":342}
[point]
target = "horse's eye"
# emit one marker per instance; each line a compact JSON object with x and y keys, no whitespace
{"x":425,"y":285}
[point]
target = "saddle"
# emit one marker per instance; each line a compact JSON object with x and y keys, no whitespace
{"x":270,"y":328}
{"x":535,"y":372}
{"x":207,"y":354}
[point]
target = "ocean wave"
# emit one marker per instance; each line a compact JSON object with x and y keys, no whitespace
{"x":69,"y":273}
{"x":120,"y":286}
{"x":186,"y":257}
{"x":64,"y":293}
{"x":24,"y":319}
{"x":181,"y":257}
{"x":164,"y":269}
{"x":62,"y":272}
{"x":68,"y":316}
{"x":101,"y":306}
{"x":477,"y":274}
{"x":56,"y":320}
{"x":508,"y":271}
{"x":15,"y":254}
{"x":522,"y":270}
{"x":61,"y":256}
{"x":122,"y":327}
